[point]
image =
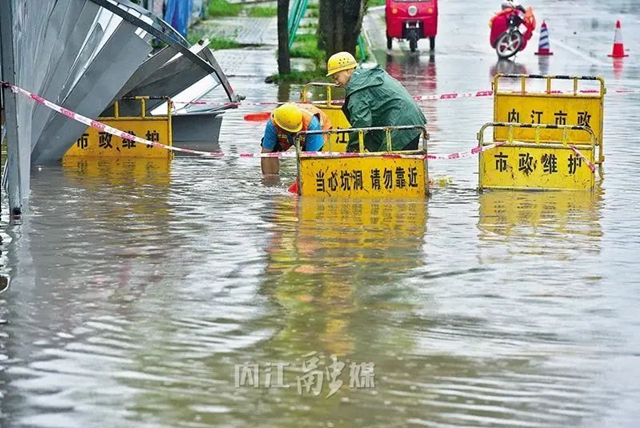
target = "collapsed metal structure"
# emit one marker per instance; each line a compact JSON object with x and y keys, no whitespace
{"x":84,"y":55}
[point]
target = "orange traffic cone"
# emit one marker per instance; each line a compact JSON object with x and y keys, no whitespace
{"x":543,"y":47}
{"x":294,"y":187}
{"x":618,"y":46}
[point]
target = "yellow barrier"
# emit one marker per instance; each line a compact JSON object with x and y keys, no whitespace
{"x":537,"y":165}
{"x":337,"y":142}
{"x":95,"y":143}
{"x":375,"y":174}
{"x":580,"y":107}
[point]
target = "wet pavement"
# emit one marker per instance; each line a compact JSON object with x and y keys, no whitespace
{"x":146,"y":294}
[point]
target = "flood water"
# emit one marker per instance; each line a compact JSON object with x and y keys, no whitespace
{"x":148,"y":294}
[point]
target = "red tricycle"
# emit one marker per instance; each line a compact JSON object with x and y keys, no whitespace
{"x":412,"y":20}
{"x":511,"y":29}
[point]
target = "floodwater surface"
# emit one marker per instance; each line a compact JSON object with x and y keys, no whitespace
{"x":192,"y":294}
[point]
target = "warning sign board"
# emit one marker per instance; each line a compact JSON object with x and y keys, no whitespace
{"x":581,"y":108}
{"x":543,"y":166}
{"x":96,"y":143}
{"x":371,"y":176}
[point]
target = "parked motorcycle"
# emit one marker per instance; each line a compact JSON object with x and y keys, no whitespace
{"x":511,"y":29}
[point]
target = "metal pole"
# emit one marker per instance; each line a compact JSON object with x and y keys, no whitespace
{"x":13,"y":172}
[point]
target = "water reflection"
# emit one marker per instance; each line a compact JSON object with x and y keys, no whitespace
{"x":117,"y":171}
{"x":117,"y":301}
{"x":420,"y":79}
{"x":560,"y":224}
{"x":543,"y":64}
{"x":326,"y":259}
{"x":417,"y":75}
{"x":506,"y":66}
{"x":334,"y":269}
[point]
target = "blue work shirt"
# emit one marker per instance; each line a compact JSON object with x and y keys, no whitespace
{"x":313,"y":143}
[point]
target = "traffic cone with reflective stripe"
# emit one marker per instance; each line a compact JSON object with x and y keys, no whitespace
{"x":544,"y":48}
{"x":618,"y":46}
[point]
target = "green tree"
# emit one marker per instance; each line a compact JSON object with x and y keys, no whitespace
{"x":339,"y":25}
{"x":284,"y":58}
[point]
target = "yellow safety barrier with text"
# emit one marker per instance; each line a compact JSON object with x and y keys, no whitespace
{"x":371,"y":176}
{"x":543,"y":166}
{"x":96,"y":143}
{"x":366,"y":174}
{"x":581,"y":108}
{"x":536,"y":167}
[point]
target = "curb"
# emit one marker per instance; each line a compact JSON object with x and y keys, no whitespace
{"x":371,"y":58}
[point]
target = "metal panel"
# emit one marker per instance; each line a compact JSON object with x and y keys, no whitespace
{"x":171,"y":79}
{"x":160,"y":29}
{"x":197,"y":131}
{"x":95,"y":89}
{"x":147,"y":69}
{"x":65,"y":49}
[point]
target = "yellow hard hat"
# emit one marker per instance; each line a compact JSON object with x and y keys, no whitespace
{"x":288,"y":117}
{"x":339,"y":62}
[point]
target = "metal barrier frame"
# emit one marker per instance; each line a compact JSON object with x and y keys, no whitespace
{"x":549,"y":91}
{"x":329,"y":106}
{"x":361,"y":132}
{"x":536,"y":143}
{"x":143,"y":116}
{"x":328,"y":86}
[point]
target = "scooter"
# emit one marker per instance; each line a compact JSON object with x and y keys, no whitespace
{"x":412,"y":20}
{"x":511,"y":29}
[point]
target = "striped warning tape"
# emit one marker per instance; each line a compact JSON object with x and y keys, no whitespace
{"x":590,"y":164}
{"x":124,"y":135}
{"x":434,"y":97}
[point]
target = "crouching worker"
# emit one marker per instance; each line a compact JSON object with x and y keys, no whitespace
{"x":285,"y":122}
{"x":374,"y":98}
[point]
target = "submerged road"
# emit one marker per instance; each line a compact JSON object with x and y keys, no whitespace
{"x":147,"y":294}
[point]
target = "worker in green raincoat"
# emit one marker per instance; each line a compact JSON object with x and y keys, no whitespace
{"x":373,"y":98}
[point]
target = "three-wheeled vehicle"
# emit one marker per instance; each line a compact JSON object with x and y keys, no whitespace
{"x":412,"y":20}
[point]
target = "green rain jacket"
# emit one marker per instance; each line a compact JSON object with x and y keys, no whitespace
{"x":373,"y":98}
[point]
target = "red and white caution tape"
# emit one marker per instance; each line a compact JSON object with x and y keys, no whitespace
{"x":468,"y":153}
{"x":99,"y":125}
{"x":454,"y":96}
{"x":124,"y":135}
{"x":590,"y":164}
{"x":434,"y":97}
